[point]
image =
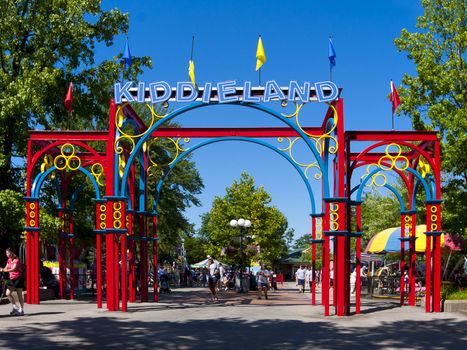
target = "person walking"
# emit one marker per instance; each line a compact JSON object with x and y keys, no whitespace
{"x":16,"y":282}
{"x":262,"y":277}
{"x":308,"y":279}
{"x":213,"y":277}
{"x":300,"y":276}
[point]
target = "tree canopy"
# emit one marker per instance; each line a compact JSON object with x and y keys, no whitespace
{"x":45,"y":45}
{"x":265,"y":240}
{"x":436,"y":97}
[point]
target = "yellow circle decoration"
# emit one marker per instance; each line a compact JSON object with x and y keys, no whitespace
{"x":32,"y":206}
{"x":32,"y":214}
{"x":117,"y":215}
{"x":434,"y":209}
{"x":434,"y":227}
{"x":117,"y":206}
{"x":117,"y":224}
{"x":32,"y":223}
{"x":102,"y":207}
{"x":102,"y":217}
{"x":102,"y":225}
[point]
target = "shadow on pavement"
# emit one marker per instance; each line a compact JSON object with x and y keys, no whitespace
{"x":234,"y":333}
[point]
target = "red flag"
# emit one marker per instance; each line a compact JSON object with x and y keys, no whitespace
{"x":69,"y":98}
{"x":394,"y":98}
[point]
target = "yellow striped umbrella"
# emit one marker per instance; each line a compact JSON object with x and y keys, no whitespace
{"x":387,"y":241}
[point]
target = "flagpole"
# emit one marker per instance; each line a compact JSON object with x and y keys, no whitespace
{"x":192,"y":47}
{"x":392,"y":107}
{"x":259,"y":77}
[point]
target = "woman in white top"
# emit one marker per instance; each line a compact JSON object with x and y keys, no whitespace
{"x":213,"y":277}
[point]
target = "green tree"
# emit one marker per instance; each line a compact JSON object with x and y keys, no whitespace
{"x":44,"y":46}
{"x":436,"y":98}
{"x":379,"y":212}
{"x":302,"y":242}
{"x":265,"y":240}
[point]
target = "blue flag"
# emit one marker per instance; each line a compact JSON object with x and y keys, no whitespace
{"x":127,"y":55}
{"x":331,"y":54}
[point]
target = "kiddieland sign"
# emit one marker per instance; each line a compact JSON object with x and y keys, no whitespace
{"x":224,"y":92}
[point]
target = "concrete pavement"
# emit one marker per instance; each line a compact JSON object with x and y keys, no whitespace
{"x":185,"y":319}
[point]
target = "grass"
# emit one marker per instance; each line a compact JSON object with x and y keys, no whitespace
{"x":457,"y":295}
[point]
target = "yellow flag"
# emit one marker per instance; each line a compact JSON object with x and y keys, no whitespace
{"x":191,"y":72}
{"x":260,"y":55}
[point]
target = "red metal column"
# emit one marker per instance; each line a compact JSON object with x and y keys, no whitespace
{"x":111,"y":259}
{"x":358,"y":250}
{"x":313,"y":260}
{"x":69,"y":225}
{"x":342,"y":275}
{"x":143,"y":258}
{"x":325,"y":263}
{"x":404,"y":228}
{"x":132,"y":280}
{"x":62,"y":255}
{"x":428,"y":262}
{"x":100,"y":229}
{"x":32,"y":250}
{"x":433,"y":226}
{"x":154,"y":247}
{"x":412,"y":257}
{"x":437,"y":240}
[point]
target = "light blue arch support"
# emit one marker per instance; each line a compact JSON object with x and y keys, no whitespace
{"x":244,"y":139}
{"x":39,"y":181}
{"x":413,"y":172}
{"x":390,"y":188}
{"x":196,"y":105}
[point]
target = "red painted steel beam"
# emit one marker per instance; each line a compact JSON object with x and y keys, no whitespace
{"x":391,"y":135}
{"x":60,"y":135}
{"x":229,"y":132}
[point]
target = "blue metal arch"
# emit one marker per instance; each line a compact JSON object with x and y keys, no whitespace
{"x":415,"y":173}
{"x":392,"y":189}
{"x":39,"y":180}
{"x":139,"y":144}
{"x":244,"y":139}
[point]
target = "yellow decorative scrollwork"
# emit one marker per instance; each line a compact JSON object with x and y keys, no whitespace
{"x":434,"y":217}
{"x":130,"y":138}
{"x":407,"y":224}
{"x":67,"y":159}
{"x":424,"y":168}
{"x":398,"y":161}
{"x":97,"y":170}
{"x":289,"y":150}
{"x":177,"y":150}
{"x":318,"y":139}
{"x":47,"y":163}
{"x":334,"y":216}
{"x":102,"y":216}
{"x":319,"y":228}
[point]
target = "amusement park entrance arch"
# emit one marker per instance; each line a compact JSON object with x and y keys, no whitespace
{"x":119,"y":162}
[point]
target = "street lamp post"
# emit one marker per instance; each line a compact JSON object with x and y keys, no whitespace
{"x":241,"y":224}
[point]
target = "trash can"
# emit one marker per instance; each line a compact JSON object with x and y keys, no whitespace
{"x":245,"y":283}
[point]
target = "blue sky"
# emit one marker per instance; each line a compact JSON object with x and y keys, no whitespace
{"x":295,"y":38}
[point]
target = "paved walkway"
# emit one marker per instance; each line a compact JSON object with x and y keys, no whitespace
{"x":185,"y":319}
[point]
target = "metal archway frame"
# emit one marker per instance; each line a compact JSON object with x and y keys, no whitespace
{"x":125,"y":200}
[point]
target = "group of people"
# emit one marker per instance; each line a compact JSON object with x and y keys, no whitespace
{"x":216,"y":279}
{"x":304,"y":277}
{"x":15,"y":283}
